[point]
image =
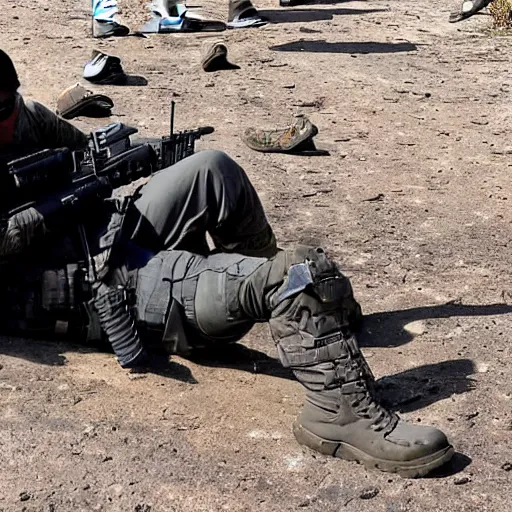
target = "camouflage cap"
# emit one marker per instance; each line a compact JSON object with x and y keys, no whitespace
{"x":78,"y":101}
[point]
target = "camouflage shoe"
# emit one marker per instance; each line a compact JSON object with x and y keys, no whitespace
{"x":285,"y":140}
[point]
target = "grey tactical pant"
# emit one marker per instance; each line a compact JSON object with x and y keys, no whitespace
{"x":185,"y":287}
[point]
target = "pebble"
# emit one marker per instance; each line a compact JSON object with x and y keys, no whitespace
{"x":507,"y":466}
{"x":24,"y":496}
{"x":137,"y":376}
{"x":461,"y":480}
{"x":416,"y":328}
{"x":369,"y":493}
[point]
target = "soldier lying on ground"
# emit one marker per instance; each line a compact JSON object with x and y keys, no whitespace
{"x":181,"y":293}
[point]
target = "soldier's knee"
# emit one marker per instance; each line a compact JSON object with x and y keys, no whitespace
{"x":311,"y":271}
{"x":215,"y":160}
{"x":221,"y":166}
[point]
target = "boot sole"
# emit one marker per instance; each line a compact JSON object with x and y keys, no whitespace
{"x":407,"y":469}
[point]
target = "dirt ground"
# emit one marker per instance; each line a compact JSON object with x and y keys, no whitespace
{"x":414,"y":203}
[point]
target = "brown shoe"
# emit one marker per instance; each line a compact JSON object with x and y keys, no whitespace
{"x":215,"y":57}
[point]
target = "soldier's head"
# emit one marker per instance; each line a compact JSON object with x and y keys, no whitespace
{"x":9,"y":84}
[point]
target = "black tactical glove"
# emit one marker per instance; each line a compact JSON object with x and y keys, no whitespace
{"x":19,"y":231}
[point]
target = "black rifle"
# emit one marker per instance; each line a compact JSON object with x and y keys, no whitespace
{"x":112,"y":159}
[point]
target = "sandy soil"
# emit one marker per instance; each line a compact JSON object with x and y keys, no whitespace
{"x":413,"y":202}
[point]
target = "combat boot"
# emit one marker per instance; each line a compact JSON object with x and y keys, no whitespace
{"x":313,"y":315}
{"x":344,"y":420}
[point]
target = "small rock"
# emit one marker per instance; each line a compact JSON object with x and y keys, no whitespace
{"x":117,"y":489}
{"x":507,"y":466}
{"x":307,"y":30}
{"x":378,"y":197}
{"x":416,"y":328}
{"x":482,"y":367}
{"x":396,"y":507}
{"x":369,"y":493}
{"x":462,"y":480}
{"x":289,"y":86}
{"x":137,"y":376}
{"x":25,"y":496}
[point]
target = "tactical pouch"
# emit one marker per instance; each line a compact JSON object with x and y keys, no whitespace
{"x":58,"y":289}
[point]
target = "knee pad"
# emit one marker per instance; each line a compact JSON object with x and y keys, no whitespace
{"x":313,"y":310}
{"x":314,"y":272}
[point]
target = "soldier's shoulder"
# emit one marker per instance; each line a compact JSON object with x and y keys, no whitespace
{"x":35,"y":106}
{"x":38,"y":110}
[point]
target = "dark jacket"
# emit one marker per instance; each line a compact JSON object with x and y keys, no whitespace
{"x":37,"y":127}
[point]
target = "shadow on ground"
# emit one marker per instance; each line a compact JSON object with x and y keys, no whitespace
{"x":387,"y":329}
{"x":322,"y":46}
{"x":309,"y":15}
{"x":459,"y":462}
{"x":136,"y":81}
{"x":420,"y":387}
{"x":406,"y":391}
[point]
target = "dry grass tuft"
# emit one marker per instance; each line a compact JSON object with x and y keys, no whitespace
{"x":501,"y":11}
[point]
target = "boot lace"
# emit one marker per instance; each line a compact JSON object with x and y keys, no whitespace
{"x":357,"y":387}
